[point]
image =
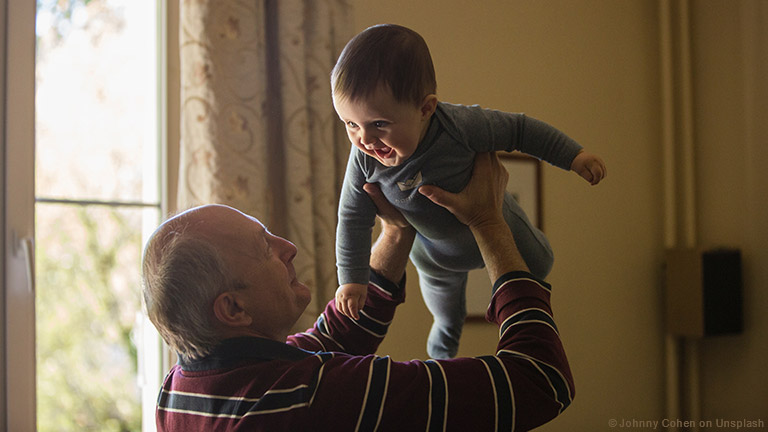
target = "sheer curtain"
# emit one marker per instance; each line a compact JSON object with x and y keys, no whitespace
{"x":258,"y":129}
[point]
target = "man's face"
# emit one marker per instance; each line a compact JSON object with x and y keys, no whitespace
{"x":383,"y":128}
{"x":273,"y":296}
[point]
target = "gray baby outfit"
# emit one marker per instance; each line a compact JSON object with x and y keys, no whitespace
{"x":444,"y":249}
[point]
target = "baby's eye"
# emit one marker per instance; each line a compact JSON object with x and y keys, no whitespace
{"x":379,"y":124}
{"x":351,"y":124}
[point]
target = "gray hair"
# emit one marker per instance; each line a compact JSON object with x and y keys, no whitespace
{"x":182,"y":274}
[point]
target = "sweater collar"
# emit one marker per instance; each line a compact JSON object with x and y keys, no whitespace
{"x":231,"y":352}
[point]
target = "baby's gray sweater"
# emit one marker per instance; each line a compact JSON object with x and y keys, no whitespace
{"x":445,"y":158}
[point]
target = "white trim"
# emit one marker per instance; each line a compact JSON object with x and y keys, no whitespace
{"x":18,"y":201}
{"x":155,"y":354}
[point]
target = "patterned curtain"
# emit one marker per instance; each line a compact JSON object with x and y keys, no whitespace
{"x":258,"y":129}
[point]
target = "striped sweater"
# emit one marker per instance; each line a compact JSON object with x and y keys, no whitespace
{"x":328,"y":379}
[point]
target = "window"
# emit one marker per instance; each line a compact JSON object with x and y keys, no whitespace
{"x":99,"y":135}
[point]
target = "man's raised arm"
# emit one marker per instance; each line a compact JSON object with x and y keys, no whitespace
{"x":537,"y":373}
{"x":523,"y":384}
{"x":389,"y":255}
{"x":334,"y":331}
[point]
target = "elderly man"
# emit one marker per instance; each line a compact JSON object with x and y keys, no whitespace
{"x":223,"y":293}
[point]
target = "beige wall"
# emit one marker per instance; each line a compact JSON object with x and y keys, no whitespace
{"x":592,"y":68}
{"x":730,"y":54}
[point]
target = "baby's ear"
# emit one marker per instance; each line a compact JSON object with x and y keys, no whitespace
{"x":428,"y":105}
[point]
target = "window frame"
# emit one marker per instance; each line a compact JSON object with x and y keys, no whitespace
{"x":18,"y":57}
{"x":17,"y":197}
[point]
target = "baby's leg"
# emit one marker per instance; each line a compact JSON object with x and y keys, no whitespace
{"x":531,"y":242}
{"x":444,"y":292}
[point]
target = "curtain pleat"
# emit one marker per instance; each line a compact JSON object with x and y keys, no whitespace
{"x":259,"y":131}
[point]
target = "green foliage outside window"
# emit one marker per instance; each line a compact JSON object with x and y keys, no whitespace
{"x":91,"y":104}
{"x":87,"y":299}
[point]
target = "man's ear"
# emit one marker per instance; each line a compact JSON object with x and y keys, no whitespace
{"x":428,"y":106}
{"x":229,"y":310}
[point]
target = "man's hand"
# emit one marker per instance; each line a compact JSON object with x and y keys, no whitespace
{"x":590,"y":167}
{"x":482,"y":199}
{"x":479,"y":206}
{"x":388,"y":214}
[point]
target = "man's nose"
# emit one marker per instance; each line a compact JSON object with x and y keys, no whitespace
{"x":287,"y":250}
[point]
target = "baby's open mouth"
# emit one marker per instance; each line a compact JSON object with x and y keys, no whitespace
{"x":385,"y":152}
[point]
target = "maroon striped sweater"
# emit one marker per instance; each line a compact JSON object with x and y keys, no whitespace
{"x":328,"y":379}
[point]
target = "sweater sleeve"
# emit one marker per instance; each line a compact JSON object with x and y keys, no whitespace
{"x":492,"y":130}
{"x":524,"y":385}
{"x":334,"y":331}
{"x":357,"y":215}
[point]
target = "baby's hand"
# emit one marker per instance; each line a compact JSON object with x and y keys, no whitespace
{"x":350,"y":299}
{"x":589,"y":166}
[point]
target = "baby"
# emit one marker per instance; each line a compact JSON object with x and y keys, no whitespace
{"x":384,"y":90}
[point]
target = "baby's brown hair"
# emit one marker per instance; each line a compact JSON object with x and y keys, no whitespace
{"x":385,"y":54}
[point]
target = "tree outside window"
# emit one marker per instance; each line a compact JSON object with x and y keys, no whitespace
{"x":96,"y":186}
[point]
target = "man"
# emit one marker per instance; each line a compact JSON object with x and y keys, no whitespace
{"x":223,"y":293}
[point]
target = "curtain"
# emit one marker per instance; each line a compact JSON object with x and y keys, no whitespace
{"x":258,"y":129}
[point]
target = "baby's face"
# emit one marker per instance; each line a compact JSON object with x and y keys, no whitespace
{"x":383,"y":128}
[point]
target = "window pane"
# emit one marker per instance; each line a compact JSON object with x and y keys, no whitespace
{"x":88,"y":300}
{"x":96,"y":97}
{"x":97,"y":139}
